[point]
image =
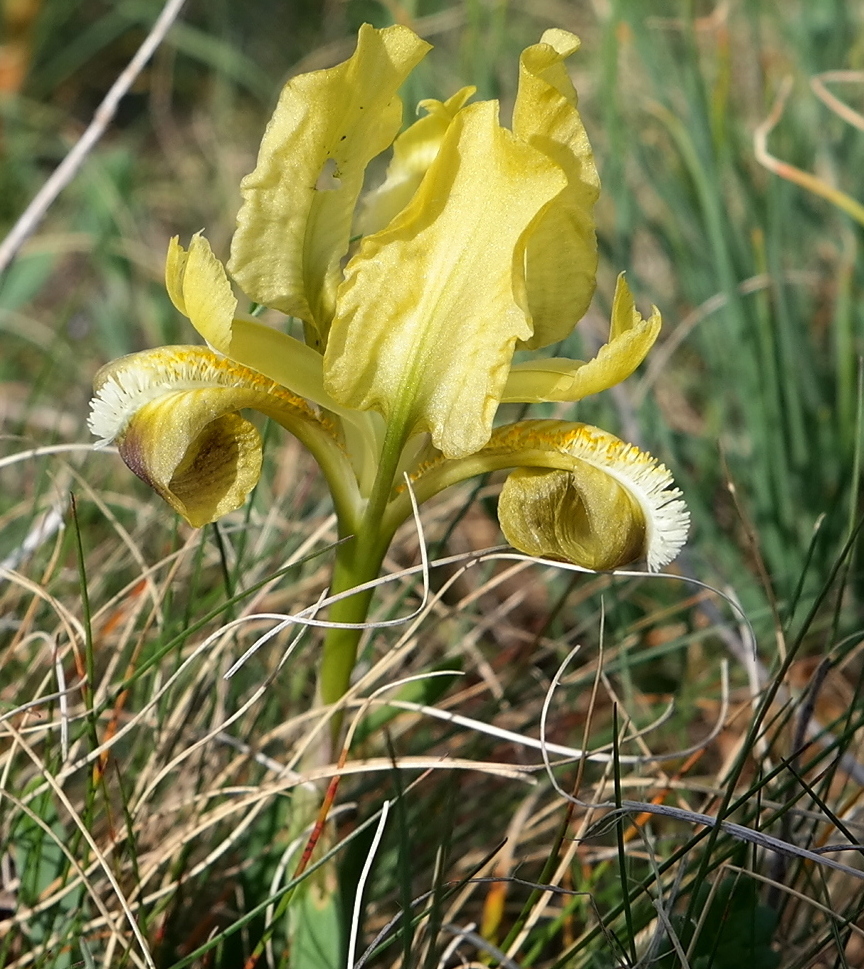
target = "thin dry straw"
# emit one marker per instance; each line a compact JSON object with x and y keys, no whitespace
{"x":740,"y":831}
{"x":63,"y":799}
{"x":68,"y":168}
{"x":307,"y":616}
{"x":361,"y":883}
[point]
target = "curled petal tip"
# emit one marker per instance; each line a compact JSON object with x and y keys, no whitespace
{"x":607,"y":506}
{"x":173,"y":414}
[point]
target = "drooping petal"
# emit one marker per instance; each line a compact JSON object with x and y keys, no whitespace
{"x":582,"y":516}
{"x":206,"y":472}
{"x":173,"y":414}
{"x":613,"y":504}
{"x":295,"y":222}
{"x":199,"y":287}
{"x":562,"y":253}
{"x":577,"y":494}
{"x":413,"y":152}
{"x":432,"y":306}
{"x":630,"y":339}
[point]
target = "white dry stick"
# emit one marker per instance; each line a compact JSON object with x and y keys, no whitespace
{"x":66,"y":170}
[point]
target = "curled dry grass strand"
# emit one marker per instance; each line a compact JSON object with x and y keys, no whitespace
{"x":806,"y":180}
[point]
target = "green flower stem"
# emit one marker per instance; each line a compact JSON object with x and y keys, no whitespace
{"x":358,"y":561}
{"x":330,"y":457}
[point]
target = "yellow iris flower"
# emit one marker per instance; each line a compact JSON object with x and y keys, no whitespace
{"x":479,"y":242}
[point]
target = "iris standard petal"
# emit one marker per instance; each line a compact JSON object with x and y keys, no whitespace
{"x":432,"y":306}
{"x":630,"y":338}
{"x":413,"y":152}
{"x":173,"y":414}
{"x":561,"y":258}
{"x":298,"y":204}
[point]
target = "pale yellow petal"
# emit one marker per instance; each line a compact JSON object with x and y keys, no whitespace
{"x":562,"y":253}
{"x":582,"y":516}
{"x":539,"y":381}
{"x":204,"y":472}
{"x":282,"y":358}
{"x":413,"y":152}
{"x":300,"y":369}
{"x":175,"y":269}
{"x":580,"y":494}
{"x":432,"y":306}
{"x":611,"y":504}
{"x":630,"y":339}
{"x":294,"y":226}
{"x":172,"y":413}
{"x":199,"y":287}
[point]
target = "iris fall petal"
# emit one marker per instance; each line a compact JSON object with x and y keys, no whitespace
{"x":606,"y":504}
{"x":581,"y":516}
{"x":173,"y":415}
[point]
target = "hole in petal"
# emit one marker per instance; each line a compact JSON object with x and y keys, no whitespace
{"x":328,"y":177}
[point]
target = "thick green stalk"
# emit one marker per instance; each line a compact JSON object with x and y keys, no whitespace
{"x":358,"y":560}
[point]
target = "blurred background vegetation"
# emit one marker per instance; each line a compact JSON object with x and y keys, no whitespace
{"x":753,"y":398}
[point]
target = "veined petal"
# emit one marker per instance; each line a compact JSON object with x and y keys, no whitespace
{"x":199,"y":287}
{"x":582,"y":516}
{"x":413,"y":152}
{"x":612,"y":504}
{"x":562,"y":254}
{"x":432,"y":306}
{"x":630,"y":339}
{"x":172,"y":412}
{"x":295,"y":222}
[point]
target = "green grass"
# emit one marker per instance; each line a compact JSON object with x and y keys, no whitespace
{"x":156,"y":787}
